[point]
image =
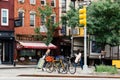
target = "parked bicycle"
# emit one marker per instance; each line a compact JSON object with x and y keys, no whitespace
{"x":71,"y":68}
{"x":53,"y":65}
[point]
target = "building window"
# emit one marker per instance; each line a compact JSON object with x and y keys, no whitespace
{"x":73,"y":2}
{"x":21,"y":17}
{"x":32,"y":19}
{"x":24,"y":53}
{"x":63,"y":31}
{"x":43,"y":2}
{"x":43,"y":28}
{"x":32,"y":1}
{"x":42,"y":20}
{"x":63,"y":6}
{"x":21,"y":1}
{"x":53,"y":19}
{"x":4,"y":17}
{"x":53,"y":3}
{"x":95,"y":48}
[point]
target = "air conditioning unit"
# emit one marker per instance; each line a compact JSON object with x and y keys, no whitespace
{"x":76,"y":31}
{"x":21,"y":1}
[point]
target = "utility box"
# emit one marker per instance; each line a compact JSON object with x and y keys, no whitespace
{"x":116,"y":63}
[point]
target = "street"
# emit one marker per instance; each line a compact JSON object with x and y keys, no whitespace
{"x":16,"y":73}
{"x":52,"y":78}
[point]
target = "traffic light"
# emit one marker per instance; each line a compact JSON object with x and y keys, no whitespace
{"x":82,"y":16}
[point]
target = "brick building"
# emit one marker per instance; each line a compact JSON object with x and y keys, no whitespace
{"x":27,"y":10}
{"x":6,"y":31}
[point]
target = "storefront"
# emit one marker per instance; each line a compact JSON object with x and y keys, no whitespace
{"x":29,"y":52}
{"x":6,"y":47}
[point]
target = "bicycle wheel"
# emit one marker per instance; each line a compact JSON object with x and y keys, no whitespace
{"x":72,"y":68}
{"x":49,"y":67}
{"x":63,"y":68}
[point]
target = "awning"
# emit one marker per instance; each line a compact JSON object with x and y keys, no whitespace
{"x":34,"y":45}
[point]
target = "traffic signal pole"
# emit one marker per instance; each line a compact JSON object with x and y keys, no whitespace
{"x":82,"y":16}
{"x":85,"y":67}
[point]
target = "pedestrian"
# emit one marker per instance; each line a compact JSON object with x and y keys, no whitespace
{"x":79,"y":58}
{"x":102,"y":56}
{"x":15,"y":58}
{"x":41,"y":62}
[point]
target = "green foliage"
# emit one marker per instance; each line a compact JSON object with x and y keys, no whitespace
{"x":37,"y":30}
{"x":38,"y":36}
{"x":105,"y":68}
{"x":71,"y":18}
{"x":46,"y":13}
{"x":103,"y":19}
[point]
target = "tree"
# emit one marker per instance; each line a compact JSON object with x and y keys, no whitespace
{"x":104,"y":22}
{"x":46,"y":13}
{"x":71,"y":17}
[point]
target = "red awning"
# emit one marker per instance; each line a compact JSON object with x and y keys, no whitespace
{"x":34,"y":45}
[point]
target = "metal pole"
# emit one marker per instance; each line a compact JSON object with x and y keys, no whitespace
{"x":85,"y":67}
{"x":71,"y":46}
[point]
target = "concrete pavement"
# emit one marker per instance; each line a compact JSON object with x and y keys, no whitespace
{"x":31,"y":71}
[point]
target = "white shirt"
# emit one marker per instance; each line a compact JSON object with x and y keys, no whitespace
{"x":78,"y":57}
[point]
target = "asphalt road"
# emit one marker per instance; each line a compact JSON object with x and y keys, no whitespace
{"x":52,"y":78}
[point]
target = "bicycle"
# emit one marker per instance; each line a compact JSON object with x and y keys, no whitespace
{"x":53,"y":65}
{"x":71,"y":65}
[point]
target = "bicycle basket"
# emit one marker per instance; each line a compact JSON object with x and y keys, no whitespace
{"x":49,"y":58}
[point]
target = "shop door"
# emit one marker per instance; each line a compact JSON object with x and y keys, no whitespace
{"x":5,"y":52}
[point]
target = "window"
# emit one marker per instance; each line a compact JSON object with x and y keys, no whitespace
{"x":53,"y":3}
{"x":73,"y":2}
{"x":42,"y":20}
{"x":43,"y":2}
{"x":95,"y":47}
{"x":4,"y":17}
{"x":63,"y":31}
{"x":53,"y":19}
{"x":32,"y":1}
{"x":32,"y":19}
{"x":21,"y":1}
{"x":21,"y":17}
{"x":63,"y":6}
{"x":26,"y":52}
{"x":43,"y":28}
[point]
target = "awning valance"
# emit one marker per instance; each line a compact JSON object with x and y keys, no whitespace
{"x":34,"y":45}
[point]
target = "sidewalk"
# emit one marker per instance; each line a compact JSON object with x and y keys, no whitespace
{"x":7,"y":66}
{"x":31,"y":71}
{"x":79,"y":74}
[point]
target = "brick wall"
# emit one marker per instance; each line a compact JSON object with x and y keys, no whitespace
{"x":27,"y":7}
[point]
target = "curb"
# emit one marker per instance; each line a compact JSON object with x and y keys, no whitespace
{"x":70,"y":76}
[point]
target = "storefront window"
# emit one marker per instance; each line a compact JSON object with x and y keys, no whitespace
{"x":95,"y":47}
{"x":27,"y":53}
